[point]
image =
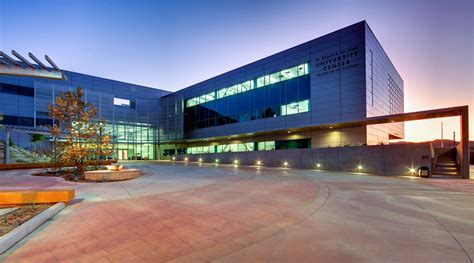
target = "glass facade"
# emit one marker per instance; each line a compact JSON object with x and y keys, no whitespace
{"x":283,"y":93}
{"x":245,"y":147}
{"x":286,"y":74}
{"x":134,"y":142}
{"x":132,"y":121}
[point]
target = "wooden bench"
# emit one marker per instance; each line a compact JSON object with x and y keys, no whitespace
{"x":18,"y":197}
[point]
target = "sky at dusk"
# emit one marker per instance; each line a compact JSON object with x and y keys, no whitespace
{"x":174,"y":44}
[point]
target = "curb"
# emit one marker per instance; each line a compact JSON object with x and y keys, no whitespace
{"x":16,"y":235}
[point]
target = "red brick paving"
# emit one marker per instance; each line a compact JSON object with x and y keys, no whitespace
{"x":165,"y":226}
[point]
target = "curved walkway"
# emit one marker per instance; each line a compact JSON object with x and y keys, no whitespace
{"x":192,"y":213}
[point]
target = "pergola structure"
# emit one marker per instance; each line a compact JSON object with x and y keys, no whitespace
{"x":23,"y":67}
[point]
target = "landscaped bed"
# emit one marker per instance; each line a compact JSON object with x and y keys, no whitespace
{"x":94,"y":175}
{"x":19,"y":216}
{"x":69,"y":174}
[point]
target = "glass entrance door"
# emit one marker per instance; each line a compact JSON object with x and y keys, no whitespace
{"x":122,"y":154}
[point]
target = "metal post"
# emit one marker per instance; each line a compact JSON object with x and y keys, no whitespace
{"x":7,"y":146}
{"x":454,"y":139}
{"x":442,"y":139}
{"x":465,"y":143}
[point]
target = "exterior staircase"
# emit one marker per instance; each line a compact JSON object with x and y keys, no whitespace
{"x":446,"y":164}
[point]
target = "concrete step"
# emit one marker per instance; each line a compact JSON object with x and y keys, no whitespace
{"x":446,"y":165}
{"x":446,"y":168}
{"x":452,"y":173}
{"x":446,"y":176}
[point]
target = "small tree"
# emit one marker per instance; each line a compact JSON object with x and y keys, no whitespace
{"x":103,"y":141}
{"x":35,"y":139}
{"x":77,"y":135}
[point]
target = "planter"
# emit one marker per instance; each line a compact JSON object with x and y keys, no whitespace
{"x":111,"y":175}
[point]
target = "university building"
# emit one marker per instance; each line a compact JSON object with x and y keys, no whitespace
{"x":291,"y":100}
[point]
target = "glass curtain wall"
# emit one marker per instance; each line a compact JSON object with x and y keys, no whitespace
{"x":283,"y":93}
{"x":134,"y":142}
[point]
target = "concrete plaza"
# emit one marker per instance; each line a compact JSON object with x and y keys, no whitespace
{"x":196,"y":213}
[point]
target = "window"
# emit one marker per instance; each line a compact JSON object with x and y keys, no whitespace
{"x":289,"y":73}
{"x":121,"y":102}
{"x":246,"y":101}
{"x":303,"y":69}
{"x":248,"y":85}
{"x":17,"y":90}
{"x":274,"y":78}
{"x":191,"y":102}
{"x":303,"y":106}
{"x":266,"y":146}
{"x":260,"y":82}
{"x":295,"y":107}
{"x":249,"y":146}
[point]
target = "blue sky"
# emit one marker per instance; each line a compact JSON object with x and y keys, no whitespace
{"x":174,"y":44}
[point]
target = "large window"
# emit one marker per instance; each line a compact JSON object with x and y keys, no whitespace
{"x":248,"y":85}
{"x":248,"y":147}
{"x":283,"y":93}
{"x":295,"y":107}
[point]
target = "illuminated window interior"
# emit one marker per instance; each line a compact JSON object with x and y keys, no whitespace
{"x":121,"y":102}
{"x":259,"y":82}
{"x":294,"y":108}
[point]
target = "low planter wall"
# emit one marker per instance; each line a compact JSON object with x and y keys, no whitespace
{"x":109,"y":176}
{"x":15,"y":166}
{"x":16,"y":235}
{"x":395,"y":159}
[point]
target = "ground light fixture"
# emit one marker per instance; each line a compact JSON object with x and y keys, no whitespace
{"x":318,"y":165}
{"x":259,"y":162}
{"x":200,"y":159}
{"x":185,"y":159}
{"x":285,"y":164}
{"x":236,"y":161}
{"x":359,"y":167}
{"x":412,"y":171}
{"x":173,"y":158}
{"x":216,"y":160}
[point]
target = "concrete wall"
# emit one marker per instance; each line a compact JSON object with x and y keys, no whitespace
{"x":378,"y":159}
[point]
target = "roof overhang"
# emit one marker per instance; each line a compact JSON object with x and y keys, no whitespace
{"x":410,"y":116}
